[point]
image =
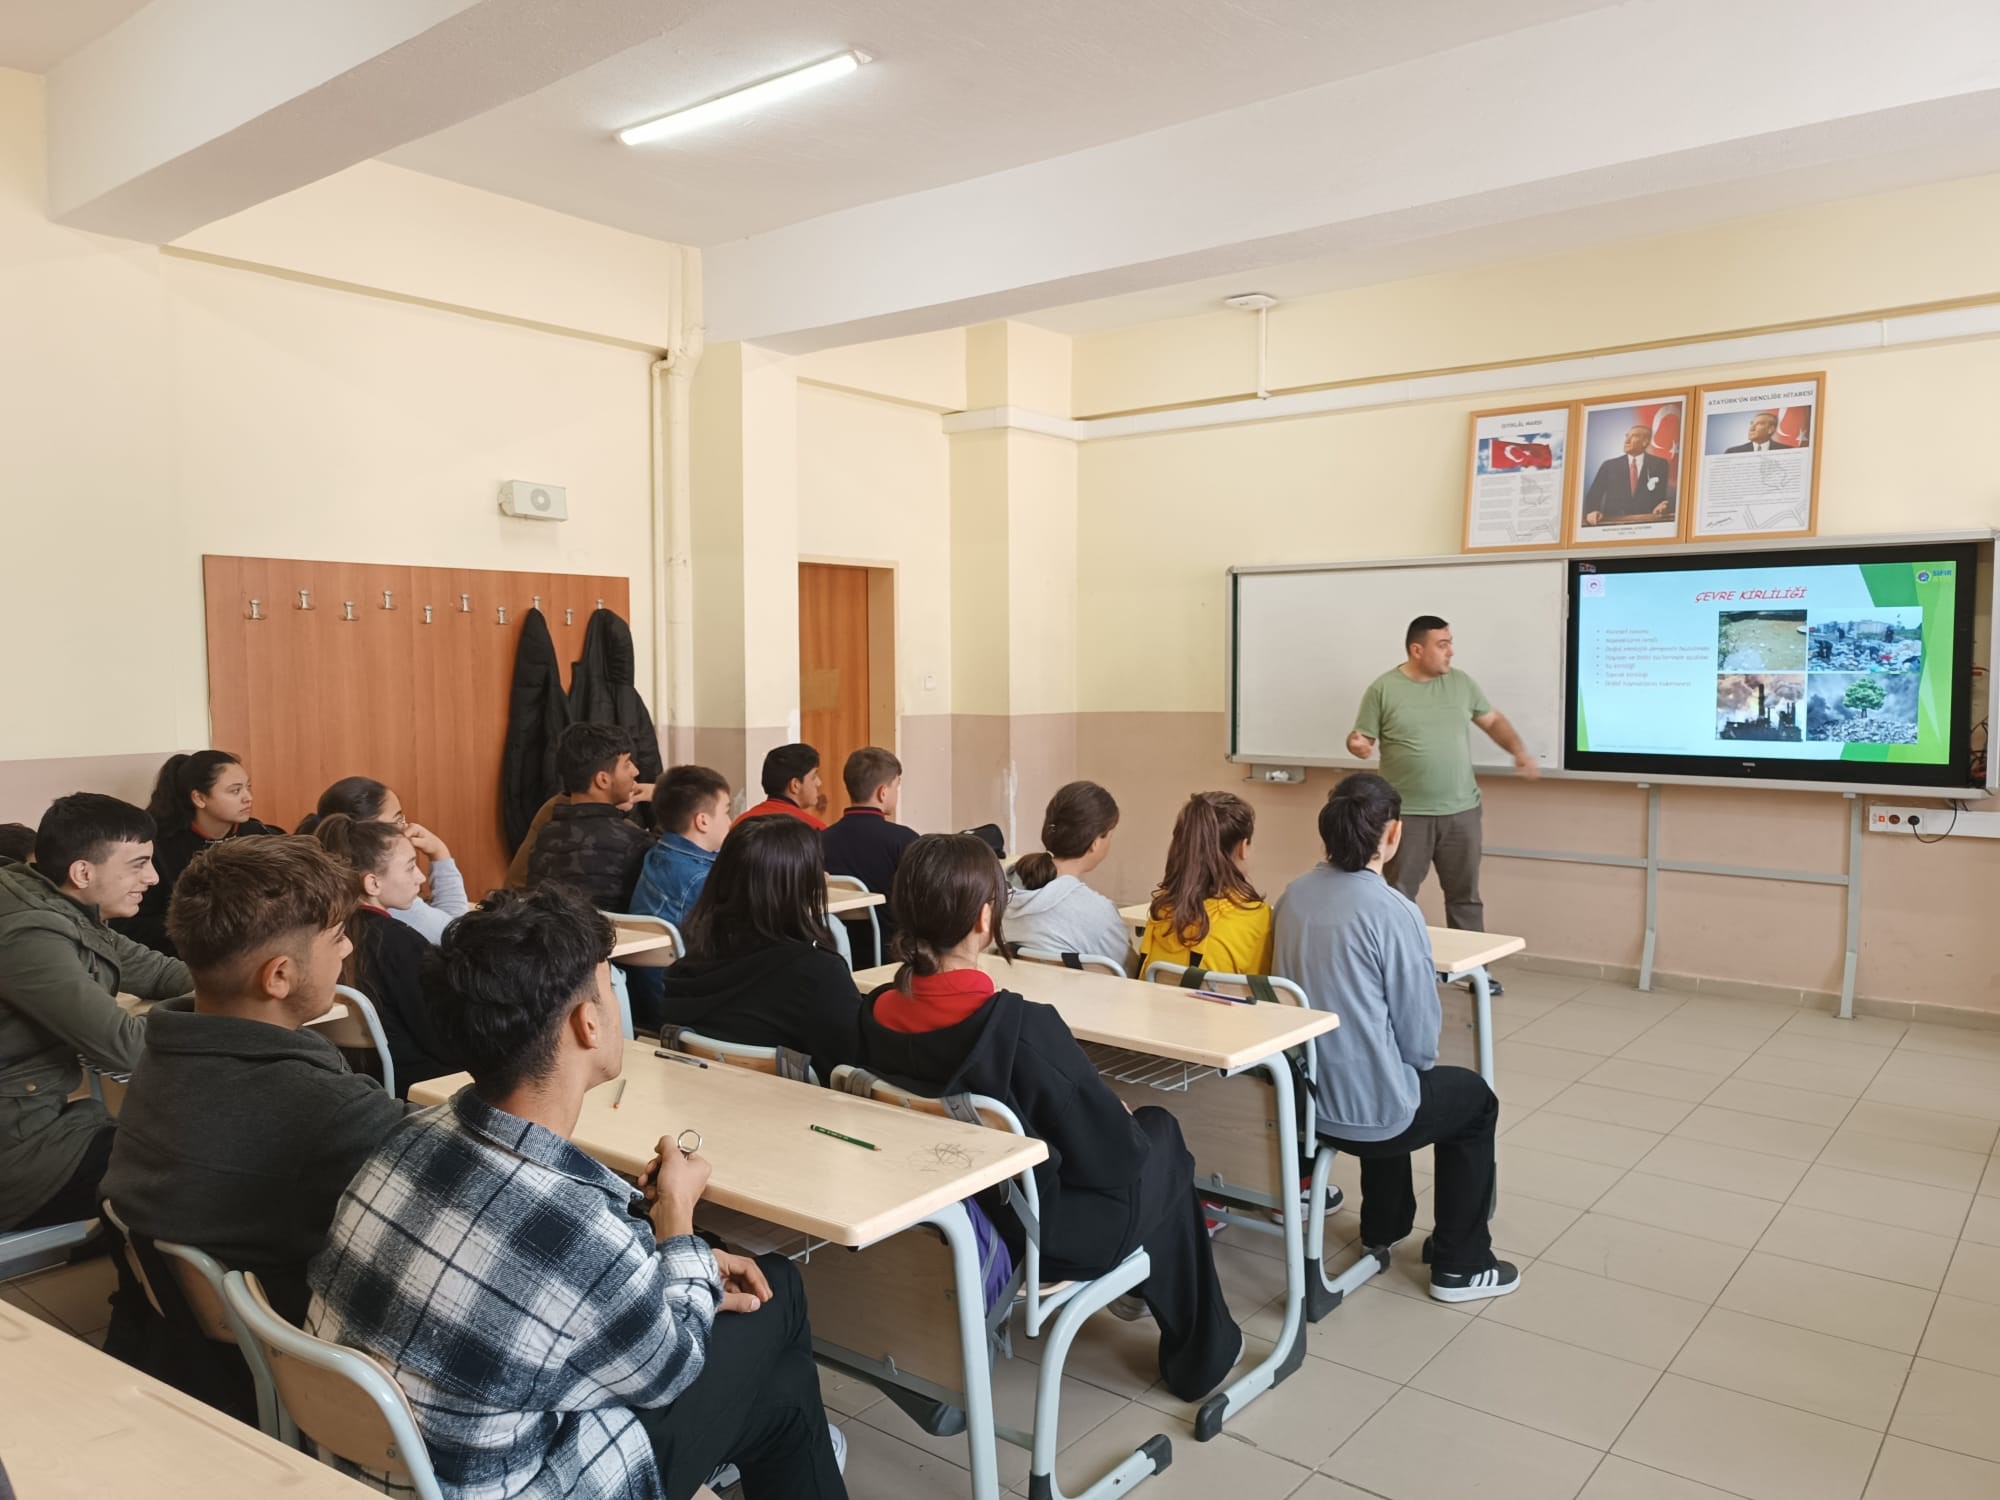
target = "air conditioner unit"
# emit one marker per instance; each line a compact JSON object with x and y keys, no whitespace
{"x":534,"y":502}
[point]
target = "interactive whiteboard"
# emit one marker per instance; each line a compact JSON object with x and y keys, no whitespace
{"x":1306,"y":642}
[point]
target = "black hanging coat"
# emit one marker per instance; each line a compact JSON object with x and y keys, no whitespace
{"x":537,"y":714}
{"x":602,"y":691}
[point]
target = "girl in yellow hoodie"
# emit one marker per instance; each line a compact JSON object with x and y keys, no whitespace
{"x":1205,"y":911}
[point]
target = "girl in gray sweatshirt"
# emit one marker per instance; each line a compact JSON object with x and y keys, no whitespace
{"x":1048,"y":905}
{"x":1360,"y":948}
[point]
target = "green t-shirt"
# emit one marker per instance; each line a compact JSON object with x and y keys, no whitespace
{"x":1423,"y":730}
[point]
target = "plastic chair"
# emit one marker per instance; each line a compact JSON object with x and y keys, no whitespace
{"x":1095,"y":962}
{"x":1060,"y":1307}
{"x":778,"y":1062}
{"x":855,"y":883}
{"x":341,"y":1399}
{"x":645,"y":922}
{"x":361,"y":1028}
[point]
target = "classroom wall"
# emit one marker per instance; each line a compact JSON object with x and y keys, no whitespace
{"x":154,"y":407}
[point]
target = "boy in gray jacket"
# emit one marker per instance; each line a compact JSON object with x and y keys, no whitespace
{"x":1359,"y":947}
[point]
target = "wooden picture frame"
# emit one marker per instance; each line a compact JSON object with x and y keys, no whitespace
{"x":1595,"y":449}
{"x":1518,"y":442}
{"x":1729,"y":493}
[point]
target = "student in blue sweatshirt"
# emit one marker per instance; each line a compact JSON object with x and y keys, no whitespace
{"x":1357,"y":945}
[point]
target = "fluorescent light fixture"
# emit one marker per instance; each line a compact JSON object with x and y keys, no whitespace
{"x":743,"y":101}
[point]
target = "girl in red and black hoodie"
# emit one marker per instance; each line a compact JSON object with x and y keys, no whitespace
{"x":1114,"y":1180}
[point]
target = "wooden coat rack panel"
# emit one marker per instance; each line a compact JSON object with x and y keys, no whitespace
{"x":308,"y":695}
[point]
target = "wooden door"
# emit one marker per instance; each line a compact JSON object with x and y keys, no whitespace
{"x":833,"y":669}
{"x":307,"y":696}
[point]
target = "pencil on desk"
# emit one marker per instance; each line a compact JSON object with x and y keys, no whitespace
{"x":865,"y":1145}
{"x":619,"y":1097}
{"x":679,"y":1057}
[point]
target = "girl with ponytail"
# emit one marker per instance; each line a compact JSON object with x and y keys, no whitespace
{"x":1205,"y":911}
{"x":366,"y":800}
{"x":1050,"y":907}
{"x":1357,"y":945}
{"x":387,"y":964}
{"x":1114,"y":1179}
{"x":198,"y":799}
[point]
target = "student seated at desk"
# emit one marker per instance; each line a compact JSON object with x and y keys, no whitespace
{"x":867,"y":842}
{"x":1049,"y":906}
{"x":242,"y":1125}
{"x":1206,"y":913}
{"x":590,"y":1344}
{"x":61,"y":971}
{"x":691,"y":810}
{"x":1357,"y":945}
{"x":387,"y":964}
{"x":590,"y":844}
{"x":791,"y":786}
{"x":198,"y":801}
{"x":366,"y":800}
{"x":17,"y":842}
{"x":1114,"y":1180}
{"x":761,"y":965}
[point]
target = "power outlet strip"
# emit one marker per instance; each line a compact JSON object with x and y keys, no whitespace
{"x":1934,"y":822}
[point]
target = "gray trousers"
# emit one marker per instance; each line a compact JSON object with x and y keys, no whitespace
{"x":1452,"y":844}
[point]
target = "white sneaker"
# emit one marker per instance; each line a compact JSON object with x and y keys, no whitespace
{"x":1131,"y":1307}
{"x":729,"y":1476}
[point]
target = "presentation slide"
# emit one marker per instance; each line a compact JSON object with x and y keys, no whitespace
{"x":1816,"y":662}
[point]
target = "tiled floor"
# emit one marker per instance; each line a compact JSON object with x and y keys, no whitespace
{"x":1761,"y":1258}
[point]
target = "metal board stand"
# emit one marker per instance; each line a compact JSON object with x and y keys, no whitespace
{"x":1653,"y":865}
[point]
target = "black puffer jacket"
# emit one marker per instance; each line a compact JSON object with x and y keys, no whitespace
{"x":601,"y":689}
{"x":537,"y":714}
{"x":594,"y":849}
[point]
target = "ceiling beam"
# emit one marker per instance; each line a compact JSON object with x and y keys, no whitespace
{"x":196,"y":109}
{"x":1596,"y":110}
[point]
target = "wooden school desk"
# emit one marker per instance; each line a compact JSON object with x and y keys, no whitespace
{"x":768,"y":1163}
{"x":1207,"y":1038}
{"x":1457,"y":955}
{"x":633,"y":940}
{"x":77,"y":1424}
{"x":840,"y":900}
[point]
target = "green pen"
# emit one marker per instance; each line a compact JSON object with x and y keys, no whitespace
{"x":865,"y":1145}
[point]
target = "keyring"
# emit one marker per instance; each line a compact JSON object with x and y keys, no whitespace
{"x":681,"y":1141}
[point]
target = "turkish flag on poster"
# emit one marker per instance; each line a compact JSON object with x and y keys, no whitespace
{"x":1795,"y":426}
{"x":1665,"y":420}
{"x":1506,"y":455}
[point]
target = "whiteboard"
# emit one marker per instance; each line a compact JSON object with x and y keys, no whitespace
{"x":1305,"y":644}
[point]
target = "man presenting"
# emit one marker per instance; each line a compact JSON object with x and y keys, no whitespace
{"x":1417,"y":712}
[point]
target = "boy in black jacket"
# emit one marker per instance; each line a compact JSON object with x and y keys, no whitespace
{"x":242,"y":1124}
{"x":1114,"y":1180}
{"x":589,"y":844}
{"x":867,"y":842}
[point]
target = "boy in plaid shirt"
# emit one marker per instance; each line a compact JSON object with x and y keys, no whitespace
{"x":557,"y":1335}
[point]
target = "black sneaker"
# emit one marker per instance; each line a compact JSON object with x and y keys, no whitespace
{"x":1497,"y":1280}
{"x":1494,"y":988}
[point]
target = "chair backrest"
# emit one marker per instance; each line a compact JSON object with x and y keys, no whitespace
{"x":768,"y":1060}
{"x":343,"y":1399}
{"x":866,"y":914}
{"x":1096,"y":962}
{"x":201,"y":1278}
{"x":645,"y":924}
{"x":360,"y":1028}
{"x":130,"y":1251}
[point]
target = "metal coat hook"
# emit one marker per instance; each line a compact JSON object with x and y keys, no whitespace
{"x":503,"y":614}
{"x":569,"y":617}
{"x":600,"y":604}
{"x":256,"y":609}
{"x":538,"y":601}
{"x":427,"y":614}
{"x":388,"y":598}
{"x":305,"y":598}
{"x":347,"y":609}
{"x":465,"y":604}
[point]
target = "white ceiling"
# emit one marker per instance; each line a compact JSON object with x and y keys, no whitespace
{"x":35,"y":35}
{"x":959,"y":89}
